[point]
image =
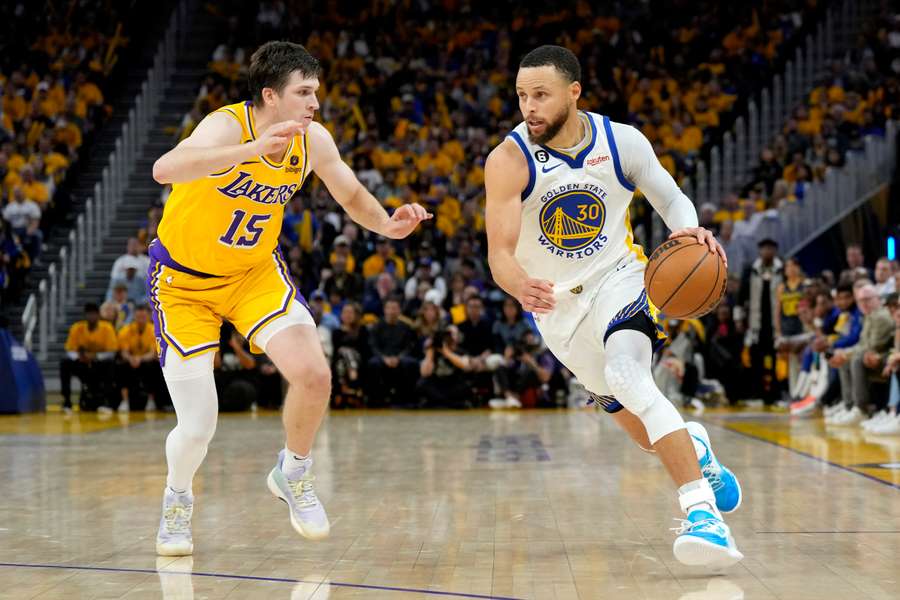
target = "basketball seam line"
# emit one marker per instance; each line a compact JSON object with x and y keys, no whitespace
{"x":713,"y":289}
{"x":685,"y":280}
{"x":664,"y":259}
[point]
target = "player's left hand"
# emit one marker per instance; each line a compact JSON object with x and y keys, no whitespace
{"x":704,"y":236}
{"x":404,"y":220}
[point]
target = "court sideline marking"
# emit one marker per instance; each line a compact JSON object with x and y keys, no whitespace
{"x":257,"y":578}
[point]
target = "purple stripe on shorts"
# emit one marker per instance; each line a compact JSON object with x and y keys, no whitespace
{"x":159,"y":252}
{"x":159,"y":319}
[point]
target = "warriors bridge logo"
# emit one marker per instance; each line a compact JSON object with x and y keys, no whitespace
{"x":572,"y":220}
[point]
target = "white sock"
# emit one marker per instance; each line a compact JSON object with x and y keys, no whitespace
{"x":698,"y":495}
{"x":293,"y":461}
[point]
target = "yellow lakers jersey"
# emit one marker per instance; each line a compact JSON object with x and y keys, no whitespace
{"x":230,"y":221}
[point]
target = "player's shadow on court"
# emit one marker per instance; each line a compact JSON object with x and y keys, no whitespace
{"x":716,"y":589}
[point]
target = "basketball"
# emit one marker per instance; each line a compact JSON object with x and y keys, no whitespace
{"x":684,"y":279}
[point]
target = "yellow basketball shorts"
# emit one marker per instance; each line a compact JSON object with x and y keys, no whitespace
{"x":188,"y":306}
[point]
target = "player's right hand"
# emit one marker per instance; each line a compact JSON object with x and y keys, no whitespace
{"x":536,"y":296}
{"x":278,"y":136}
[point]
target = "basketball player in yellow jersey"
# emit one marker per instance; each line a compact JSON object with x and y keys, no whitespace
{"x":217,"y":258}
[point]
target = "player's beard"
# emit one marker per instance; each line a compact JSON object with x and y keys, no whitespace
{"x":552,"y":128}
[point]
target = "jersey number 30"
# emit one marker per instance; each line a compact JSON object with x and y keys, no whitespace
{"x":252,"y":230}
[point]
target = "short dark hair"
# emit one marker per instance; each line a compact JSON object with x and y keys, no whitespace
{"x":143,"y":307}
{"x":91,"y":307}
{"x":563,"y":59}
{"x":845,"y":288}
{"x":272,"y":64}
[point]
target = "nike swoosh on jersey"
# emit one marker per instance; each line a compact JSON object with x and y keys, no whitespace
{"x":546,"y":170}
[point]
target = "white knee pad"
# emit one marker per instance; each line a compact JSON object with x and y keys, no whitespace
{"x":631,"y":383}
{"x":179,"y":369}
{"x":635,"y":389}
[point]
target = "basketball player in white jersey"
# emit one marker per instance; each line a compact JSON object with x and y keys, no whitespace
{"x":560,"y":242}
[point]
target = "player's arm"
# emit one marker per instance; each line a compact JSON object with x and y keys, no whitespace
{"x":505,"y":177}
{"x":359,"y":204}
{"x":641,"y":166}
{"x":215,"y":145}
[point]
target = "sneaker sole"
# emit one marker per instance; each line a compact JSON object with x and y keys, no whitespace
{"x":696,"y":552}
{"x":298,"y":527}
{"x":174,"y":550}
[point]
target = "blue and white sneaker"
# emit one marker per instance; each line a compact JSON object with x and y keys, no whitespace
{"x":705,"y":540}
{"x":296,"y":490}
{"x":723,"y":482}
{"x":174,"y":536}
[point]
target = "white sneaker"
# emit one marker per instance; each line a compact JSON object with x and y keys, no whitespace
{"x":104,"y":410}
{"x":890,"y":426}
{"x":174,"y":535}
{"x":876,"y":419}
{"x":124,"y":407}
{"x":830,"y":411}
{"x":835,"y":415}
{"x":296,"y":490}
{"x":854,"y":416}
{"x":151,"y":405}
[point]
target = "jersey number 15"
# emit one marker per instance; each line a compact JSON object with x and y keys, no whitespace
{"x":252,"y":230}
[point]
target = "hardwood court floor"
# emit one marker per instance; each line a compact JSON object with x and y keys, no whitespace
{"x":536,"y":504}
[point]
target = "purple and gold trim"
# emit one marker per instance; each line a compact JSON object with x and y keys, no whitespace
{"x":163,"y":338}
{"x":160,"y":254}
{"x":290,"y":295}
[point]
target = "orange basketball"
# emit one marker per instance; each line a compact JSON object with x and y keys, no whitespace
{"x":684,"y":279}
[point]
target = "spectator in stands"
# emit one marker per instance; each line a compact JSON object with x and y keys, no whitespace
{"x":340,"y":285}
{"x":134,"y":257}
{"x":138,"y":365}
{"x":351,"y":355}
{"x":444,"y":382}
{"x":382,"y":289}
{"x":33,"y":189}
{"x":391,"y":367}
{"x":509,"y":329}
{"x":384,"y":259}
{"x":724,"y":351}
{"x":787,"y":321}
{"x":884,"y":277}
{"x":759,"y":300}
{"x":859,"y":364}
{"x":135,"y":281}
{"x":90,"y":355}
{"x":24,"y":217}
{"x":124,"y":306}
{"x":856,"y":265}
{"x":890,"y":421}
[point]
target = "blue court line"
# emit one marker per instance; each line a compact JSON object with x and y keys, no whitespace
{"x":807,"y":455}
{"x":362,"y":586}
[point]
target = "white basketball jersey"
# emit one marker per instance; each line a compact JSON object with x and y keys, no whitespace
{"x":575,"y":221}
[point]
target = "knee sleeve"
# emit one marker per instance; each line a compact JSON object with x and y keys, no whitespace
{"x":297,"y":314}
{"x":177,"y":368}
{"x":635,"y":390}
{"x":631,"y":383}
{"x":193,"y":390}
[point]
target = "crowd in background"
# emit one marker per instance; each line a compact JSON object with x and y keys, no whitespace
{"x":416,"y":96}
{"x":55,"y":58}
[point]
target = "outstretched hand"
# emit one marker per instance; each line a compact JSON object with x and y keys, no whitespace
{"x":404,"y":220}
{"x":703,"y":236}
